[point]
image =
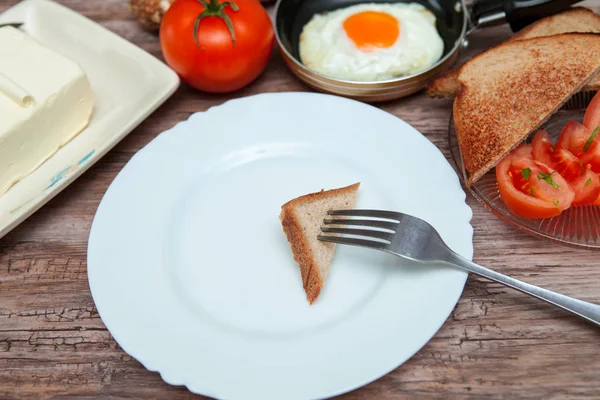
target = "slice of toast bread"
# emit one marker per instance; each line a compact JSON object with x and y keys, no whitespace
{"x":506,"y":94}
{"x":575,"y":19}
{"x":301,"y":219}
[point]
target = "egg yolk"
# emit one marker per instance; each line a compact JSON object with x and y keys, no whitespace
{"x":372,"y":29}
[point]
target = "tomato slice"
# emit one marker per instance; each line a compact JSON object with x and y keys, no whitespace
{"x":574,"y":137}
{"x":542,"y":148}
{"x":597,"y":202}
{"x":591,"y":119}
{"x":586,"y":188}
{"x":566,"y":164}
{"x":582,"y":181}
{"x":548,"y":184}
{"x":559,"y":159}
{"x":591,"y":157}
{"x":531,"y":189}
{"x":583,"y":143}
{"x":522,"y":152}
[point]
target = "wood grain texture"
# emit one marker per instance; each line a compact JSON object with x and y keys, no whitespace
{"x":497,"y":343}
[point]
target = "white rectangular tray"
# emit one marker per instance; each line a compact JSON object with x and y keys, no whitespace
{"x":128,"y":84}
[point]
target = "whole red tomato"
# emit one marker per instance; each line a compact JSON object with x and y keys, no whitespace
{"x":217,"y":46}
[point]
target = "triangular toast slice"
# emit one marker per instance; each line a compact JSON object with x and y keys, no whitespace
{"x":507,"y":93}
{"x":301,"y":219}
{"x":575,"y":19}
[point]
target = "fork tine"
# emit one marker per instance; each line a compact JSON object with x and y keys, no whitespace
{"x":368,"y":213}
{"x":362,"y":222}
{"x":354,"y":242}
{"x":359,"y":232}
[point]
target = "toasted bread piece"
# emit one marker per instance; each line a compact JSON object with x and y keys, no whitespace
{"x":301,"y":219}
{"x":508,"y":93}
{"x":575,"y":19}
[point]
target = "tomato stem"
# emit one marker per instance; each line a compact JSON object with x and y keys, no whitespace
{"x":215,"y":9}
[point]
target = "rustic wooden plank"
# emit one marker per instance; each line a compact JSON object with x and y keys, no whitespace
{"x":497,"y":343}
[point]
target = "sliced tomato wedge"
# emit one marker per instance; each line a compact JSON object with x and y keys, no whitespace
{"x":583,"y":181}
{"x":532,"y":189}
{"x":548,"y":184}
{"x":574,"y":137}
{"x":583,"y":143}
{"x":591,"y":119}
{"x":597,"y":202}
{"x":541,"y":147}
{"x":559,"y":159}
{"x":586,"y":188}
{"x":591,"y":158}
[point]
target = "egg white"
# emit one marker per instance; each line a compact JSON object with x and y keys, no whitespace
{"x":326,"y":48}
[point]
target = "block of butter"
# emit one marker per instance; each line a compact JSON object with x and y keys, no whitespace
{"x":45,"y":100}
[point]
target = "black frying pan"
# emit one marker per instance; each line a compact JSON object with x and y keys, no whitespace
{"x":455,"y":20}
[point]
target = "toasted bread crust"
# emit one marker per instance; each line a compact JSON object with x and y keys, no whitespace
{"x":574,"y":19}
{"x":307,"y":198}
{"x":593,"y":85}
{"x":523,"y":86}
{"x":312,"y":280}
{"x":446,"y":85}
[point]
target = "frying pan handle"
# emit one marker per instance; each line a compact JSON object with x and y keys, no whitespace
{"x":518,"y":13}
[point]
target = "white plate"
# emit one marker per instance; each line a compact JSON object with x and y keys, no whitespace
{"x":192,"y":274}
{"x":128,"y":84}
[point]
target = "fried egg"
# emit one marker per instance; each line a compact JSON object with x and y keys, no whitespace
{"x":371,"y":42}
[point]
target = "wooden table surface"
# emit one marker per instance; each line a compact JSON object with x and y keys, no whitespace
{"x":496,"y":343}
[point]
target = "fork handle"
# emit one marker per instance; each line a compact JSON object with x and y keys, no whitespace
{"x":588,"y":311}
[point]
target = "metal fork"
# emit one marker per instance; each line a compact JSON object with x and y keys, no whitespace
{"x":414,"y":239}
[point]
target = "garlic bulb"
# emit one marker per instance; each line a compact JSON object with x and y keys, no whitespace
{"x":149,"y":13}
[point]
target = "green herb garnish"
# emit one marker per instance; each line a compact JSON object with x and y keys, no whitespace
{"x":591,"y":139}
{"x":555,"y":202}
{"x":526,"y":172}
{"x":548,"y":179}
{"x":531,"y":191}
{"x":588,"y":182}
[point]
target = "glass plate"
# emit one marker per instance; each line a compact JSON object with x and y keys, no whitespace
{"x":578,"y":226}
